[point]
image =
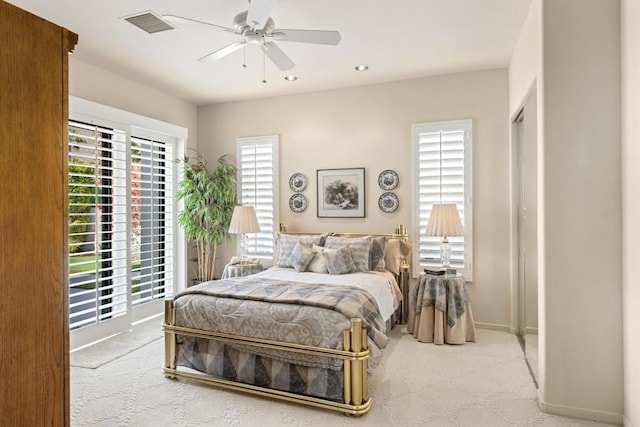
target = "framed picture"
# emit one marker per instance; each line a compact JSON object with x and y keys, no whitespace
{"x":341,"y":193}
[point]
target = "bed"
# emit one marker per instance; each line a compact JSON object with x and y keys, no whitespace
{"x":295,"y":332}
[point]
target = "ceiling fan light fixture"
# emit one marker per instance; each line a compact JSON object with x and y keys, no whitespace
{"x":291,"y":78}
{"x":362,"y":67}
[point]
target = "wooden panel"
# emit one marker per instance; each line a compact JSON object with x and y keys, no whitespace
{"x":34,"y":365}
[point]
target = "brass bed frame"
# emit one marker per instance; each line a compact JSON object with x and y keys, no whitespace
{"x":355,"y":353}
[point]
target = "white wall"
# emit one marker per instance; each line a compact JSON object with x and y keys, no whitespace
{"x":104,"y":87}
{"x":370,"y":127}
{"x":577,"y":77}
{"x":631,"y":207}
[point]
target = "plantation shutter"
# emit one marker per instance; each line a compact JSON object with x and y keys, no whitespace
{"x":443,"y":175}
{"x":98,"y":221}
{"x":152,"y":218}
{"x":257,"y":187}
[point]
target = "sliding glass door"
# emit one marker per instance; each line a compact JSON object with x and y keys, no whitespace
{"x":122,"y":228}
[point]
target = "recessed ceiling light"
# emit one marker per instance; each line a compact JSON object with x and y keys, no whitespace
{"x":291,"y":78}
{"x":362,"y":67}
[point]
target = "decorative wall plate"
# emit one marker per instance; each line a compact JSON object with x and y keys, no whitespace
{"x":388,"y":179}
{"x":388,"y":202}
{"x":297,"y":182}
{"x":297,"y":203}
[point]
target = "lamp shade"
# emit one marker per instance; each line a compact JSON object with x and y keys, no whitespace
{"x":444,"y":221}
{"x":244,"y":220}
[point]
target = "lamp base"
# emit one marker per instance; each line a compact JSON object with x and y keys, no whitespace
{"x":445,"y":253}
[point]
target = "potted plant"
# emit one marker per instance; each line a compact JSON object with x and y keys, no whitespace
{"x":209,"y":198}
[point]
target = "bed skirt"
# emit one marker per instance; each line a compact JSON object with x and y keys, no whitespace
{"x":229,"y":363}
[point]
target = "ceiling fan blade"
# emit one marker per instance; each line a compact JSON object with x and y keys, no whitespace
{"x":307,"y":36}
{"x":182,"y":22}
{"x":277,"y":56}
{"x":258,"y":13}
{"x":220,"y":53}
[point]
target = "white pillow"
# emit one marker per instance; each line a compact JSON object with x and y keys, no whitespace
{"x":394,"y":252}
{"x":317,"y":264}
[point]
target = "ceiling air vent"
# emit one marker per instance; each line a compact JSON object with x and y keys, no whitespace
{"x":149,"y":22}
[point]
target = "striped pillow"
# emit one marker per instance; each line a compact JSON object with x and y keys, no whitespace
{"x":301,"y":256}
{"x":286,"y":243}
{"x":376,"y":256}
{"x":339,"y":261}
{"x":359,"y":246}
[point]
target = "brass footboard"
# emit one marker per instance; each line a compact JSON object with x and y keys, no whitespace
{"x":355,"y":355}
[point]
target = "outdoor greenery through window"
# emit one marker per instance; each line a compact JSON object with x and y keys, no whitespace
{"x":442,"y":167}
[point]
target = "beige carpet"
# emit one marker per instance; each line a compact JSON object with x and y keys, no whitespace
{"x":485,"y":383}
{"x":109,"y":350}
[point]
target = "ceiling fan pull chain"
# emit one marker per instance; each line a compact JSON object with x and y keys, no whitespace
{"x":244,"y":56}
{"x":264,"y":67}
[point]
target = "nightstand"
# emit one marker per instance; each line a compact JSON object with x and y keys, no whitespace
{"x":441,"y":311}
{"x":241,"y":269}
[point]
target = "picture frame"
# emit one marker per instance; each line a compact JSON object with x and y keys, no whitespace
{"x":341,"y":193}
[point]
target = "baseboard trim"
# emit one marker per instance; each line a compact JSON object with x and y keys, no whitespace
{"x":492,"y":326}
{"x":581,"y":413}
{"x":626,"y":422}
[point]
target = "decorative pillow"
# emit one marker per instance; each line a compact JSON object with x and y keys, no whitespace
{"x":339,"y":261}
{"x":376,"y":255}
{"x":396,"y":250}
{"x":301,"y":256}
{"x":286,"y":243}
{"x":360,"y":248}
{"x":317,"y":264}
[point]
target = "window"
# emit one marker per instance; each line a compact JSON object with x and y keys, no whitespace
{"x":442,"y":168}
{"x":122,"y":223}
{"x":257,"y":172}
{"x":97,"y":224}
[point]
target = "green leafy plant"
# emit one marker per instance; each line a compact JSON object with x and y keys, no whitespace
{"x":82,"y":198}
{"x":209,"y":199}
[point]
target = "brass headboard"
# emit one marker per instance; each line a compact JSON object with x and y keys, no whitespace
{"x":405,"y":268}
{"x":399,"y":233}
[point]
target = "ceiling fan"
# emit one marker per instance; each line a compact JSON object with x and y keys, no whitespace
{"x":257,"y":27}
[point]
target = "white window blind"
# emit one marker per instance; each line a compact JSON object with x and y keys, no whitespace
{"x":257,"y":172}
{"x":442,"y":156}
{"x":152,"y":217}
{"x":98,"y":223}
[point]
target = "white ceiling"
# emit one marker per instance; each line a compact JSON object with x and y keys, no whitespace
{"x":398,"y":40}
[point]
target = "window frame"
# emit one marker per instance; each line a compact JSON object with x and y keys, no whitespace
{"x":443,"y":126}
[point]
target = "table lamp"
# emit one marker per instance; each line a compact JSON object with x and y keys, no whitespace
{"x":243,"y":221}
{"x":444,"y":222}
